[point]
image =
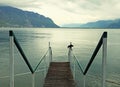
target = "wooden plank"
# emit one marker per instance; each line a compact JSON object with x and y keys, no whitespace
{"x":59,"y":75}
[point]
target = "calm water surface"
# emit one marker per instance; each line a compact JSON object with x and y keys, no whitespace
{"x":35,"y":43}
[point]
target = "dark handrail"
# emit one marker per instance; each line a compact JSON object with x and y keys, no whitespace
{"x":21,"y":51}
{"x":40,"y":61}
{"x":95,"y":52}
{"x":78,"y":64}
{"x":104,"y":35}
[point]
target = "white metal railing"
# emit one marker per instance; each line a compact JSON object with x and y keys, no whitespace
{"x":102,"y":41}
{"x":13,"y":40}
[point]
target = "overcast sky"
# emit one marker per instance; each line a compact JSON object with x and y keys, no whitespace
{"x":70,"y":11}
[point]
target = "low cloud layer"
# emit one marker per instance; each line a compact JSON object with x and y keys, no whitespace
{"x":70,"y":11}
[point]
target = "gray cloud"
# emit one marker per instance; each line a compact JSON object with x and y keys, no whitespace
{"x":20,"y":3}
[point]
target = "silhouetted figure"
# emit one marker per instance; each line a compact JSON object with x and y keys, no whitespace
{"x":70,"y":46}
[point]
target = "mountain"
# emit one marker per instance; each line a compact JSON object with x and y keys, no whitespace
{"x":14,"y":17}
{"x":98,"y":24}
{"x":71,"y":25}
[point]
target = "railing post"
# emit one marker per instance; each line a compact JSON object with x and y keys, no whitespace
{"x":70,"y":51}
{"x":74,"y":70}
{"x":104,"y":61}
{"x":33,"y":79}
{"x":11,"y":59}
{"x":50,"y":53}
{"x":84,"y":77}
{"x":69,"y":55}
{"x":45,"y":66}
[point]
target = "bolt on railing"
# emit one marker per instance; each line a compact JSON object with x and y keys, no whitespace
{"x":13,"y":40}
{"x":102,"y":41}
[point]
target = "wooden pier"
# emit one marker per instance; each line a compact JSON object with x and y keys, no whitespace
{"x":59,"y":75}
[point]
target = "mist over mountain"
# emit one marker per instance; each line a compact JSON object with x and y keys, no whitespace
{"x":14,"y":17}
{"x":98,"y":24}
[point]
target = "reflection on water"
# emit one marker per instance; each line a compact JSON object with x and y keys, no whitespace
{"x":35,"y":43}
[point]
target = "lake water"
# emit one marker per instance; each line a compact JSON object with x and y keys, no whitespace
{"x":34,"y":42}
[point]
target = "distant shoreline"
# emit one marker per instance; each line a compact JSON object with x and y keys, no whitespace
{"x":61,"y":27}
{"x":88,"y":28}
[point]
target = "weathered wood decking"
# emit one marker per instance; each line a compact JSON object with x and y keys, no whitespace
{"x":59,"y":75}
